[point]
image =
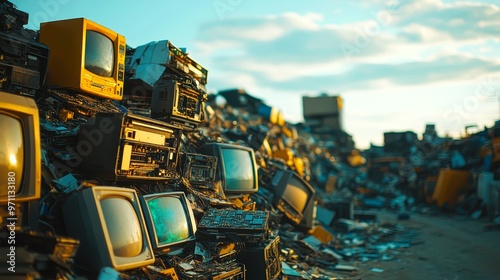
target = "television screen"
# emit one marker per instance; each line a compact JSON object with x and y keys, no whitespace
{"x":20,"y":151}
{"x":169,"y":218}
{"x":123,"y":225}
{"x":109,"y":223}
{"x":236,"y":167}
{"x":239,"y":169}
{"x":11,"y":152}
{"x":296,"y":193}
{"x":99,"y":54}
{"x":292,"y":195}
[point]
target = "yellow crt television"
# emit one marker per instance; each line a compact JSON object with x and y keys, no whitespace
{"x":84,"y":56}
{"x":20,"y":154}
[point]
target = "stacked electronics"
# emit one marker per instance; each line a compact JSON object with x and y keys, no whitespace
{"x":323,"y":113}
{"x":323,"y":117}
{"x":23,"y":61}
{"x":23,"y":66}
{"x":165,"y":83}
{"x":198,"y":169}
{"x":108,"y":169}
{"x":262,"y":259}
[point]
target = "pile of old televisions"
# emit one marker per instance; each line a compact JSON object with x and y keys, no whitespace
{"x":113,"y":177}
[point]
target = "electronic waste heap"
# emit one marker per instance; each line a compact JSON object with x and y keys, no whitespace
{"x":121,"y":165}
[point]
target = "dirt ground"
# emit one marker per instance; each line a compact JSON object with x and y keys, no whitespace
{"x":451,"y":247}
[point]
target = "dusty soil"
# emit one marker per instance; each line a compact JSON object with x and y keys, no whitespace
{"x":451,"y":247}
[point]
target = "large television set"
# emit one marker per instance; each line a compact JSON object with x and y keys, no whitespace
{"x":85,"y":56}
{"x":236,"y":167}
{"x":109,"y":223}
{"x":169,"y":219}
{"x":20,"y":151}
{"x":293,"y":195}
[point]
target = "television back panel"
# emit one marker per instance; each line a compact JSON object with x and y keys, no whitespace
{"x":23,"y":64}
{"x":177,"y":102}
{"x":263,"y":261}
{"x":199,"y":169}
{"x":224,"y":225}
{"x":129,"y":147}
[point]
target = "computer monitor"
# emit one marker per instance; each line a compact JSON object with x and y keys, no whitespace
{"x":293,"y":195}
{"x":20,"y":154}
{"x":109,"y":223}
{"x":236,"y":167}
{"x":85,"y":56}
{"x":170,"y":220}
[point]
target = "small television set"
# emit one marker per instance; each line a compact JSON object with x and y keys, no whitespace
{"x":169,"y":219}
{"x":85,"y":56}
{"x":20,"y":151}
{"x":109,"y":223}
{"x":293,"y":195}
{"x":236,"y":167}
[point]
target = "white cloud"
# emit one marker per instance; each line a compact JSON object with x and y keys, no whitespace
{"x":421,"y":45}
{"x":423,"y":33}
{"x":460,"y":19}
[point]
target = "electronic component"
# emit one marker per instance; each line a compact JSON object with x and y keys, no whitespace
{"x":66,"y":106}
{"x":23,"y":64}
{"x":57,"y":134}
{"x":138,"y":106}
{"x":216,"y":251}
{"x":175,"y":102}
{"x":180,"y":60}
{"x":199,"y":169}
{"x":125,"y":146}
{"x":63,"y":248}
{"x":164,"y":274}
{"x":263,"y":262}
{"x":233,"y":225}
{"x":11,"y":18}
{"x":161,"y":55}
{"x":212,"y":271}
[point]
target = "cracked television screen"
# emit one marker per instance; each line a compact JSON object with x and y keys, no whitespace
{"x":11,"y":150}
{"x":238,"y":168}
{"x":99,"y":54}
{"x":169,"y":219}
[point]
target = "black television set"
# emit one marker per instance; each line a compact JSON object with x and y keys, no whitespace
{"x":109,"y":223}
{"x":170,"y":220}
{"x":236,"y":167}
{"x":293,"y":195}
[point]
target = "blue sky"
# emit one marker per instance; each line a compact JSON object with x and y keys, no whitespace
{"x":397,"y":64}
